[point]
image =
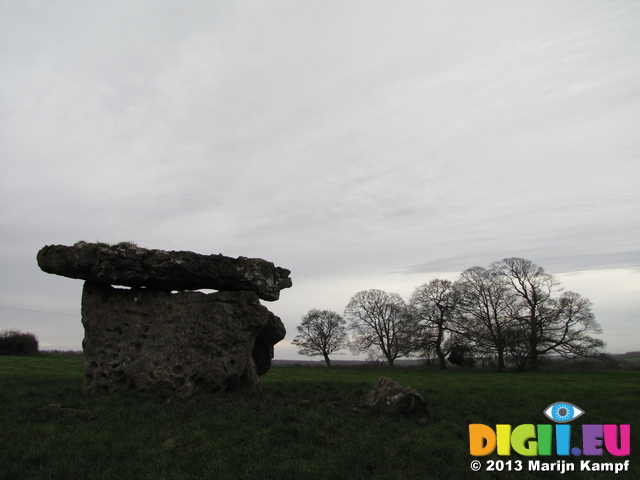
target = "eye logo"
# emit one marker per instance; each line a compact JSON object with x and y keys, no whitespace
{"x":563,"y":412}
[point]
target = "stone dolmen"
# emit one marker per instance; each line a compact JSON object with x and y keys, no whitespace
{"x":159,"y":332}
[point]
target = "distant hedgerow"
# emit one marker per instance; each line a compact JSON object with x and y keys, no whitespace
{"x":13,"y":342}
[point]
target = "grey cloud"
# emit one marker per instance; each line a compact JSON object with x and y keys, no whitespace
{"x":332,"y":138}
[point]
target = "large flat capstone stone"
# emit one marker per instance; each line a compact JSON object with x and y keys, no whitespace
{"x":129,"y":265}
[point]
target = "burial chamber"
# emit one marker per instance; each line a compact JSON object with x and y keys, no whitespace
{"x":158,"y":331}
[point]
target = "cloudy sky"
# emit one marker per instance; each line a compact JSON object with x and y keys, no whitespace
{"x":360,"y":144}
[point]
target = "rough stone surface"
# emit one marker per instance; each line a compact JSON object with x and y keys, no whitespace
{"x":128,"y":265}
{"x":142,"y":338}
{"x":388,"y":396}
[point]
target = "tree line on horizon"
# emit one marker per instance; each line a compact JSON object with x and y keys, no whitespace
{"x":512,"y":312}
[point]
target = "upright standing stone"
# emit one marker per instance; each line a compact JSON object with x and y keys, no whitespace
{"x":139,"y":338}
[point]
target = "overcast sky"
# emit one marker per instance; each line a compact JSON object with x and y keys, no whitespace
{"x":360,"y":144}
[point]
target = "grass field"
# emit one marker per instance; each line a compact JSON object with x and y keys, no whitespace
{"x":306,"y":423}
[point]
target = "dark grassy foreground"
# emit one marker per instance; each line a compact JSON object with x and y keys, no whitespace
{"x":307,"y":423}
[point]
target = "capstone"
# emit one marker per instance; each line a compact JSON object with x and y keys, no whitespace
{"x":128,"y":265}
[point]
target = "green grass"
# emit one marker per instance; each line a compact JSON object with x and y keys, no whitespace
{"x":306,"y":423}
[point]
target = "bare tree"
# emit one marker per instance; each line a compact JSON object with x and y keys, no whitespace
{"x":534,"y":288}
{"x":321,"y":332}
{"x":433,"y":304}
{"x":484,"y":314}
{"x":518,"y":345}
{"x":566,"y":331}
{"x":380,"y":323}
{"x":551,"y":325}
